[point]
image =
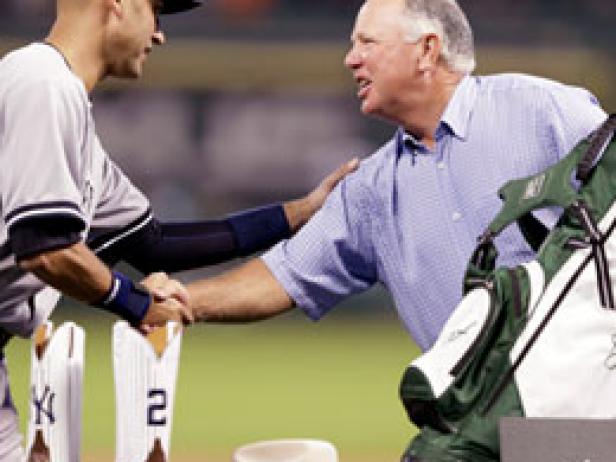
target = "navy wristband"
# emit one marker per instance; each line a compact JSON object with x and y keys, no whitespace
{"x":126,"y":300}
{"x":260,"y":228}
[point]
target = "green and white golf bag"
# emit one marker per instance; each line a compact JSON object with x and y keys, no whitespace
{"x":536,"y":340}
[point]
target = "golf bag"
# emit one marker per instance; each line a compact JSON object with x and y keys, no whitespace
{"x":536,"y":340}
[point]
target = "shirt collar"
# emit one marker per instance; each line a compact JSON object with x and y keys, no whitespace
{"x":456,"y":117}
{"x":404,"y":138}
{"x":458,"y":112}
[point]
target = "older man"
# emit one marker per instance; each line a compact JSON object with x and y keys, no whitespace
{"x":409,"y":217}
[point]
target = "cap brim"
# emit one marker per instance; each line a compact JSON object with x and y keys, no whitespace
{"x":177,"y":6}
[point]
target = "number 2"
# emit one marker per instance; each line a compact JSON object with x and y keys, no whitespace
{"x":156,"y":410}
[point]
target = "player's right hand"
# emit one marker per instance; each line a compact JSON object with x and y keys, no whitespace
{"x":170,"y":302}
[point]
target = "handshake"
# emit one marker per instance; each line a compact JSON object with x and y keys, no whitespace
{"x":170,"y":302}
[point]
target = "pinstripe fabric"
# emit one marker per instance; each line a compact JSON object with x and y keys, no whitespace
{"x":10,"y":438}
{"x":52,"y":166}
{"x":409,"y":217}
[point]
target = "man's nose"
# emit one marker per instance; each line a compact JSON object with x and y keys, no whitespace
{"x":352,"y":58}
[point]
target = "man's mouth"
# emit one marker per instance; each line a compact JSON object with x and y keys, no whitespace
{"x":363,"y":87}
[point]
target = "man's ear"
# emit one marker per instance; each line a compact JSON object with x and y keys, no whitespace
{"x":431,"y":47}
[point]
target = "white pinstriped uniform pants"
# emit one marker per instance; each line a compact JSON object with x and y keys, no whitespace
{"x":10,"y":438}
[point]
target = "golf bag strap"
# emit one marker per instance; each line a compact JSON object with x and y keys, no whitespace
{"x":533,"y":230}
{"x":598,"y":142}
{"x":595,"y":239}
{"x":552,"y":187}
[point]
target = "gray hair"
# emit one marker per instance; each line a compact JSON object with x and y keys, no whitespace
{"x":447,"y":20}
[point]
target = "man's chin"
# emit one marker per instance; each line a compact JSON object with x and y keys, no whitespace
{"x":367,"y":108}
{"x":376,"y":112}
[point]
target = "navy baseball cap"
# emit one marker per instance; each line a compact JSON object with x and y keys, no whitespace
{"x":177,"y":6}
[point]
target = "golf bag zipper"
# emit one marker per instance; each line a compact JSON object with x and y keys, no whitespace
{"x":515,"y":290}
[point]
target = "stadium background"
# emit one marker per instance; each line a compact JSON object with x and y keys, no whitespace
{"x":248,"y":103}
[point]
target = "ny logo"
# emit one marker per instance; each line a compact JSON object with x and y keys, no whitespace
{"x":44,"y":405}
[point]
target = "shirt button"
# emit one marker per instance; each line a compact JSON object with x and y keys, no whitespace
{"x":456,"y":216}
{"x":440,"y":165}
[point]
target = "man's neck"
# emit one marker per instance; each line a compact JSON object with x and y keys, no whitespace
{"x":422,"y":120}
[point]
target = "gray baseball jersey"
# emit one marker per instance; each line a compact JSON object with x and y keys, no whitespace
{"x":52,"y":169}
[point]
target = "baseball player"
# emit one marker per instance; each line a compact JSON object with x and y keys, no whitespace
{"x":68,"y":211}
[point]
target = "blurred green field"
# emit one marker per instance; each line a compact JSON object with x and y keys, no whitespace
{"x":336,"y":380}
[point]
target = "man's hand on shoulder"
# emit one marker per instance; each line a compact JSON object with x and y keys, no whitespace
{"x":299,"y":211}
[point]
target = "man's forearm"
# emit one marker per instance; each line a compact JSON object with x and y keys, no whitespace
{"x":247,"y":293}
{"x":74,"y":271}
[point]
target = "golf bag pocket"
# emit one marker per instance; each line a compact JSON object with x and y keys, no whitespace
{"x":432,"y":374}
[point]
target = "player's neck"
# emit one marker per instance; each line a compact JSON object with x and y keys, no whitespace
{"x":81,"y":53}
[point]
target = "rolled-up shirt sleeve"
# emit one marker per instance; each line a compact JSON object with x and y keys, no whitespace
{"x":332,"y":256}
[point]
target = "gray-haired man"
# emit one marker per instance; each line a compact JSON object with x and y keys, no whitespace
{"x":409,"y":217}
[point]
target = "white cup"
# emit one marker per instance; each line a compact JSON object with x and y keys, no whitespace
{"x":287,"y":450}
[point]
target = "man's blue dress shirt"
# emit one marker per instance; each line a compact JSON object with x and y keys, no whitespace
{"x":409,"y":218}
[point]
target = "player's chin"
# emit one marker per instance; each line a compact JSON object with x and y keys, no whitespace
{"x":125,"y":74}
{"x":130,"y":70}
{"x":135,"y":71}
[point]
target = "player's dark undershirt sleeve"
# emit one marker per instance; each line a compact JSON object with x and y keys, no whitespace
{"x":173,"y":247}
{"x":34,"y":236}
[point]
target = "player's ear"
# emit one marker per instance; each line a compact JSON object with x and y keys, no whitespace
{"x":114,"y":6}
